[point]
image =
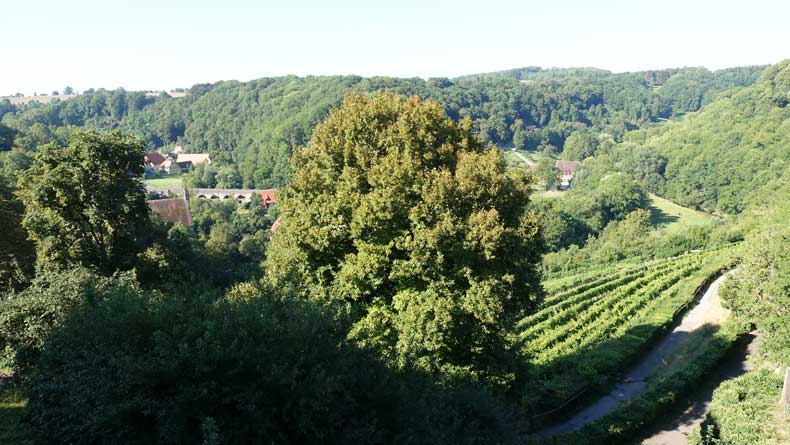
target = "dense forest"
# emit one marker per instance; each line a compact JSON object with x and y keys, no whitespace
{"x":416,"y":288}
{"x":255,"y":125}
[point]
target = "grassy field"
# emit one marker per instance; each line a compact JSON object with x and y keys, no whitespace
{"x":673,"y":218}
{"x":514,"y":160}
{"x":166,"y":182}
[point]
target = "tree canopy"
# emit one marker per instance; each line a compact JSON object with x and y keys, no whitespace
{"x":257,"y":124}
{"x":401,"y":213}
{"x":85,"y":203}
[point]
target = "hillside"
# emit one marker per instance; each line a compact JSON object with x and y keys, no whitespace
{"x":672,"y":218}
{"x":717,"y":158}
{"x":255,"y":125}
{"x":409,"y":264}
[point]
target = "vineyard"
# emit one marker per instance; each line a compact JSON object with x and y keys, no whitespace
{"x":592,"y":325}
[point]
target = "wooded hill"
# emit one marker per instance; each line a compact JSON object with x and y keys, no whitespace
{"x":255,"y":125}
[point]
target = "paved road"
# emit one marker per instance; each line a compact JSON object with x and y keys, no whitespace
{"x":708,"y":311}
{"x":677,"y":427}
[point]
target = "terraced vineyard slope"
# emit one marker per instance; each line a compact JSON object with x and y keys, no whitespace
{"x":592,"y":325}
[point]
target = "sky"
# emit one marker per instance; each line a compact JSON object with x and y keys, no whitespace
{"x":46,"y":45}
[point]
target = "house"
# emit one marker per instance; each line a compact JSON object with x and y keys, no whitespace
{"x":190,"y":159}
{"x":157,"y":163}
{"x":153,"y":161}
{"x":566,"y":171}
{"x":171,"y":167}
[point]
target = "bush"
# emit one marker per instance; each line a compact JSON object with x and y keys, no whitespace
{"x":742,"y":411}
{"x":129,"y":366}
{"x":27,"y":318}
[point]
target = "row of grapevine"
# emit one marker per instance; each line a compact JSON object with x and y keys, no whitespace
{"x":599,"y":310}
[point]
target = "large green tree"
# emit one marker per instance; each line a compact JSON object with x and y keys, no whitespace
{"x":85,"y":203}
{"x":547,"y":172}
{"x":399,"y":213}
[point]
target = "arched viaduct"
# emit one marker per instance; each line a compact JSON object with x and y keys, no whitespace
{"x":239,"y":195}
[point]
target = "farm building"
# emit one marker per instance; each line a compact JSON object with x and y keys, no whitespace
{"x":566,"y":171}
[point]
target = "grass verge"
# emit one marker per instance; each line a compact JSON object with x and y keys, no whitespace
{"x":12,"y":408}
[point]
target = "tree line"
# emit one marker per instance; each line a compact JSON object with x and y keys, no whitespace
{"x":257,"y":124}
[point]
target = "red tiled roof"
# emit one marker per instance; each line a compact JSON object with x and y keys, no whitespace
{"x":172,"y":210}
{"x":268,"y":196}
{"x":154,"y":158}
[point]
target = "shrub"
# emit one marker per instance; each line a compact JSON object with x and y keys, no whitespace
{"x":742,"y":411}
{"x":27,"y":318}
{"x":130,"y":366}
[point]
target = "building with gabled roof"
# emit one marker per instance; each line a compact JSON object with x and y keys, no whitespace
{"x":566,"y":170}
{"x":193,"y":158}
{"x":173,"y":210}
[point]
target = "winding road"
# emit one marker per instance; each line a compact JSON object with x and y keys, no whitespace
{"x":708,"y":311}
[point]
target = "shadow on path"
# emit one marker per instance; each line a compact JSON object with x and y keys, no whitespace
{"x":707,"y":314}
{"x":676,"y":425}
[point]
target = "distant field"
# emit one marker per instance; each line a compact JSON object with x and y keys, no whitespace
{"x":41,"y":99}
{"x":673,"y":218}
{"x":516,"y":158}
{"x":166,"y":182}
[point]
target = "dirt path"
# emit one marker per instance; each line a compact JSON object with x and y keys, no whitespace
{"x":674,"y":430}
{"x":707,"y":311}
{"x":529,"y":162}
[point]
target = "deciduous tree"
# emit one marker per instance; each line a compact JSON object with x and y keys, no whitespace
{"x":85,"y":203}
{"x":399,"y":212}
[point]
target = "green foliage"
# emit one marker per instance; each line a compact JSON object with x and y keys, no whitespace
{"x":742,"y":411}
{"x":618,"y":195}
{"x":547,"y":172}
{"x":7,"y":136}
{"x":129,"y":366}
{"x":14,"y":162}
{"x":12,"y":404}
{"x":580,"y":145}
{"x":399,"y":212}
{"x":583,"y":212}
{"x":17,"y":253}
{"x":716,"y":159}
{"x":633,"y":239}
{"x":760,"y":293}
{"x":256,"y":125}
{"x":235,"y":236}
{"x":85,"y":203}
{"x":27,"y":318}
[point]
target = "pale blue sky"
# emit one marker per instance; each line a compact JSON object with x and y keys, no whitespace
{"x":161,"y":44}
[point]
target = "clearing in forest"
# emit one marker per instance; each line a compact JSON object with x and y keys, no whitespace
{"x":166,"y":182}
{"x":672,"y":217}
